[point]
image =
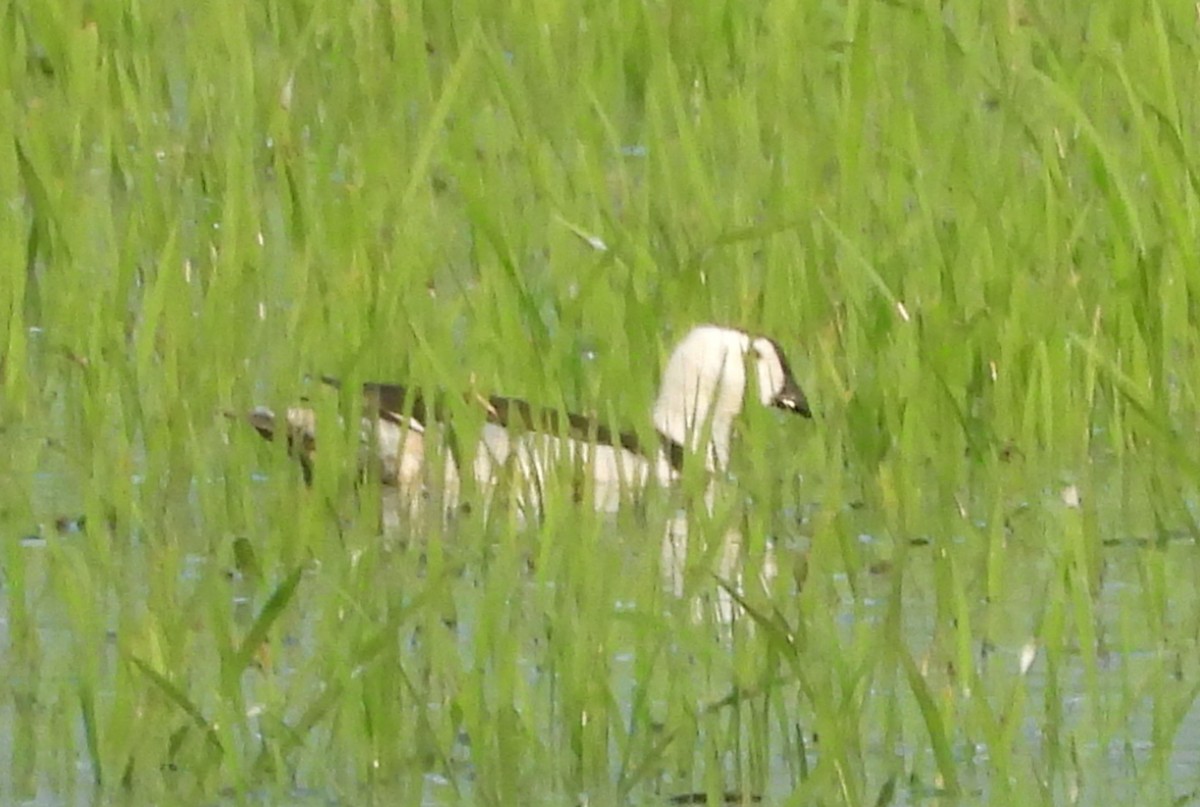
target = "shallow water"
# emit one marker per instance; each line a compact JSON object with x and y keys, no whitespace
{"x":43,"y":740}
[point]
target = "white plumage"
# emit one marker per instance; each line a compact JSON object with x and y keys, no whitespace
{"x":707,"y":381}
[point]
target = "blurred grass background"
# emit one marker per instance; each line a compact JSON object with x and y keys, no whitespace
{"x":972,"y":226}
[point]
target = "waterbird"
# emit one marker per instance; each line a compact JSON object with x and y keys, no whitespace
{"x":709,"y":377}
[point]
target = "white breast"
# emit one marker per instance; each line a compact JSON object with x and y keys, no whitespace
{"x":603,"y":474}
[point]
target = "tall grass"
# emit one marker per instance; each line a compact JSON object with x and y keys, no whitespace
{"x":974,"y":227}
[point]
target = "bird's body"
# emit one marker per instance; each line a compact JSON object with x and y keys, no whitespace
{"x":708,"y":378}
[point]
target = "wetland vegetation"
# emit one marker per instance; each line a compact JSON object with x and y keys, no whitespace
{"x":972,"y":226}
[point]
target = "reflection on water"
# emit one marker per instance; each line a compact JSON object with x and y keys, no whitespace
{"x":717,"y":569}
{"x":711,"y":565}
{"x":43,"y":757}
